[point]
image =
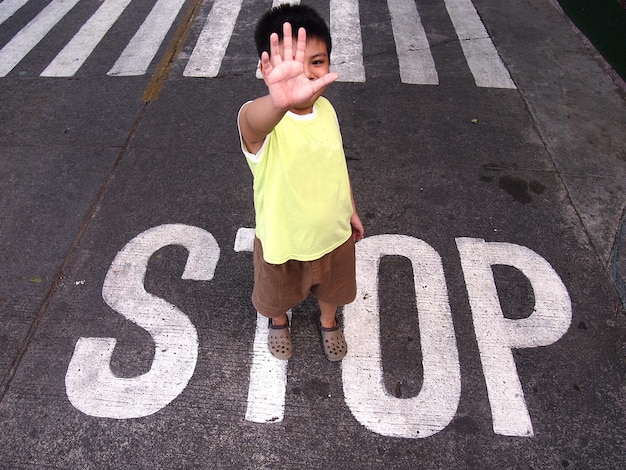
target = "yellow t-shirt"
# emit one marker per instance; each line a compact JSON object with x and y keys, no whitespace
{"x":301,"y":187}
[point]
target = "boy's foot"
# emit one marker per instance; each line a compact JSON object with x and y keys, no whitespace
{"x":279,"y":341}
{"x":334,"y":343}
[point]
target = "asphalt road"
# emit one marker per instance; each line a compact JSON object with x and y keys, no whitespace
{"x":488,"y":167}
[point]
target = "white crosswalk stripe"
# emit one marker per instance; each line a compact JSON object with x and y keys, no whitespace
{"x":24,"y":41}
{"x":345,"y":28}
{"x":207,"y":56}
{"x":144,"y":45}
{"x":417,"y":65}
{"x":480,"y":53}
{"x":8,"y":7}
{"x":415,"y":60}
{"x":73,"y":56}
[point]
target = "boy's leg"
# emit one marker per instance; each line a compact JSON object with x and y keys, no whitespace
{"x":279,"y":338}
{"x":278,"y":321}
{"x":273,"y":294}
{"x":277,"y":288}
{"x":328,"y":313}
{"x":333,"y":341}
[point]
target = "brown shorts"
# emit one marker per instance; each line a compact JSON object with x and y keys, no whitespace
{"x":279,"y":287}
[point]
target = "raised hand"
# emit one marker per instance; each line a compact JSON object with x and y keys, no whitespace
{"x":284,"y":72}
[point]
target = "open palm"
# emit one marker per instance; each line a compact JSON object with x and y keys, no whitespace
{"x":283,"y":71}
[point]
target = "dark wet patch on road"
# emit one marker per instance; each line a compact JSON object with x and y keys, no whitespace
{"x":520,"y":189}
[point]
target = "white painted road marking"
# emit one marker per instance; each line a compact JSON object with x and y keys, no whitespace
{"x":416,"y":64}
{"x":93,"y":389}
{"x":206,"y":58}
{"x":497,"y":336}
{"x":138,"y":54}
{"x":29,"y":36}
{"x":268,"y":375}
{"x":480,"y":53}
{"x":74,"y":55}
{"x":347,"y":52}
{"x":366,"y":396}
{"x":9,"y":7}
{"x":90,"y":385}
{"x":244,"y":239}
{"x":268,"y":379}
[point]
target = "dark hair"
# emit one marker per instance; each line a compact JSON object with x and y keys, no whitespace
{"x":299,"y":16}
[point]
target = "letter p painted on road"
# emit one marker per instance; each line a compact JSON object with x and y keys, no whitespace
{"x":497,"y":335}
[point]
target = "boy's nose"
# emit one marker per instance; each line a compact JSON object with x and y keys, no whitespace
{"x":308,"y":72}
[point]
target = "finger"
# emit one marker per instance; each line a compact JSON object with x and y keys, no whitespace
{"x":301,"y":45}
{"x":287,"y":42}
{"x":274,"y":49}
{"x":266,"y":65}
{"x":324,"y":81}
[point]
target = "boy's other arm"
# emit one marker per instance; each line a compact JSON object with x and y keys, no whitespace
{"x":358,"y":232}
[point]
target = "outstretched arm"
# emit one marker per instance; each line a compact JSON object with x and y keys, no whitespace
{"x":287,"y":84}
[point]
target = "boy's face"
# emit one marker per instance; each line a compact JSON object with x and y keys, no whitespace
{"x":316,"y":65}
{"x":316,"y":60}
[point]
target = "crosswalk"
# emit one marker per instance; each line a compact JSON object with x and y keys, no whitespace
{"x":415,"y":60}
{"x":74,"y":55}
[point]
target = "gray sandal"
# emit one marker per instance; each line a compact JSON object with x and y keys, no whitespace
{"x":334,"y":343}
{"x":279,"y":341}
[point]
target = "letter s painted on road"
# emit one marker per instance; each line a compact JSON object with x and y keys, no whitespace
{"x":90,"y":384}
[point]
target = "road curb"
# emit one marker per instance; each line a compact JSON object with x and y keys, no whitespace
{"x":617,"y":261}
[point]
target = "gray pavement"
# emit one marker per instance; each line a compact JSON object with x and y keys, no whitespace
{"x":489,"y":330}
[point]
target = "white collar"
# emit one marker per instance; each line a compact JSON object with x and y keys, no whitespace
{"x":305,"y":117}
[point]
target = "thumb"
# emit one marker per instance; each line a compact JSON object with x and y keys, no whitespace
{"x":325,"y":80}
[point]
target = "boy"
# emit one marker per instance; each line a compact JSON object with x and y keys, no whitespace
{"x":306,"y":220}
